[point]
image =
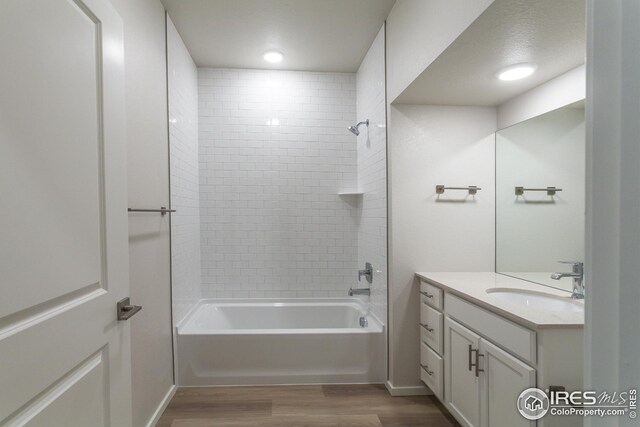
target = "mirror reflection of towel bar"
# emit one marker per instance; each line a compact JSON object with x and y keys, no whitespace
{"x":472,"y":189}
{"x":551,"y":191}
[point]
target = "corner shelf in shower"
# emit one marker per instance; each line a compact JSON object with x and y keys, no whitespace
{"x":354,"y":193}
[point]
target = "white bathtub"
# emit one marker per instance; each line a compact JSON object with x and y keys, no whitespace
{"x":285,"y":341}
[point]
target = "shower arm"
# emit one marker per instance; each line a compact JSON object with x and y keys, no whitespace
{"x":355,"y":129}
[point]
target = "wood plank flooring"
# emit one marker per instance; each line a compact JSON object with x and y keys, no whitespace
{"x":302,"y":406}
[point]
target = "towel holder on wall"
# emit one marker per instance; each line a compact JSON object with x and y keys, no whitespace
{"x":551,"y":191}
{"x":472,"y":189}
{"x":163,"y":211}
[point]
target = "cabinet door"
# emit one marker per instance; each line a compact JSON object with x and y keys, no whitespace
{"x":503,"y":379}
{"x":462,"y":386}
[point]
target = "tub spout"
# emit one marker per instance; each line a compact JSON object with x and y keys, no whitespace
{"x":362,"y":291}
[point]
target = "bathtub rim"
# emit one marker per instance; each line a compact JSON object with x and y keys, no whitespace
{"x":377,"y":326}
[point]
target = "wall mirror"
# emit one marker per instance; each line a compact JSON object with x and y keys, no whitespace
{"x":540,"y":196}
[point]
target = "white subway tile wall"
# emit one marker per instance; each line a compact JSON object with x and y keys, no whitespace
{"x":274,"y":153}
{"x":185,"y":192}
{"x":372,"y":172}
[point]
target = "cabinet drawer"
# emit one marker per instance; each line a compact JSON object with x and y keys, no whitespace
{"x":517,"y":339}
{"x":432,"y":370}
{"x":431,"y":295}
{"x":431,"y":327}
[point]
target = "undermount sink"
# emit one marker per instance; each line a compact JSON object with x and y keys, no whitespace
{"x":535,"y":299}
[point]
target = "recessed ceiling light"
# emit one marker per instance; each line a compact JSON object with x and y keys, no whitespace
{"x":273,"y":56}
{"x":516,"y":72}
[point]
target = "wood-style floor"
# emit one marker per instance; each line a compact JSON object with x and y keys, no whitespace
{"x":302,"y":406}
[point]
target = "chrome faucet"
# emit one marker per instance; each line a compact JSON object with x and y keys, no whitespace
{"x":367,"y":272}
{"x":361,"y":291}
{"x":577,"y":274}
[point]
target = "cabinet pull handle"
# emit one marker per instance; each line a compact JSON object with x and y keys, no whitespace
{"x":426,"y":294}
{"x":426,"y":326}
{"x":471,"y":350}
{"x":477,"y":360}
{"x":478,"y":356}
{"x":426,"y":368}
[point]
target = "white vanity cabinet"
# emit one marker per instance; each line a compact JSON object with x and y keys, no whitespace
{"x":431,"y":338}
{"x":483,"y":380}
{"x":504,"y":378}
{"x":477,"y":362}
{"x":462,"y":382}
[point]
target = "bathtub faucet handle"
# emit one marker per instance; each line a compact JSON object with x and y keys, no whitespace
{"x":367,"y":272}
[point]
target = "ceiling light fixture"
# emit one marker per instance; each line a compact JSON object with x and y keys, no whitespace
{"x":516,"y":72}
{"x":273,"y":56}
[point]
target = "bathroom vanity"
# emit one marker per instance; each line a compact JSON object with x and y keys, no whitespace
{"x":486,"y":337}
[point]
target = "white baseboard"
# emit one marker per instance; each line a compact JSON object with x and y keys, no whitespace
{"x":418,"y":390}
{"x":163,"y":405}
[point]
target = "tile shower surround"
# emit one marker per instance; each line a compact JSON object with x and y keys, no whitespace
{"x":274,"y":153}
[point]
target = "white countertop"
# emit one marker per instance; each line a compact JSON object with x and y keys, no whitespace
{"x":473,"y":287}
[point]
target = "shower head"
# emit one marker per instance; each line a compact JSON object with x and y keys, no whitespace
{"x":354,"y":129}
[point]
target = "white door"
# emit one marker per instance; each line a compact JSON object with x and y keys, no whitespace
{"x":462,"y":383}
{"x":64,"y":356}
{"x":503,"y":379}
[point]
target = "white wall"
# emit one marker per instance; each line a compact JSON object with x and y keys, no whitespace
{"x":148,"y":175}
{"x":535,"y":231}
{"x":420,"y":30}
{"x":612,"y":342}
{"x":562,"y":90}
{"x":274,"y":153}
{"x":185,"y":184}
{"x":430,"y":145}
{"x":372,"y":172}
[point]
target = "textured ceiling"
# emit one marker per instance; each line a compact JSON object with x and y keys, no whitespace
{"x":550,"y":33}
{"x":317,"y":35}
